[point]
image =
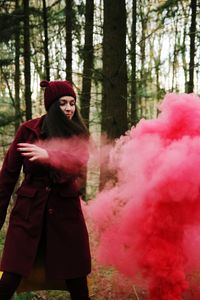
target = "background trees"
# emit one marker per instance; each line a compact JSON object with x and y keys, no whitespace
{"x":122,"y":57}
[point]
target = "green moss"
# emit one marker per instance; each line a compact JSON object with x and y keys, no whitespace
{"x":24,"y":296}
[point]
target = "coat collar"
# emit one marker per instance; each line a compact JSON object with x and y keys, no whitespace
{"x":35,"y":124}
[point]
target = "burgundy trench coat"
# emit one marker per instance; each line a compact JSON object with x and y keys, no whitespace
{"x":52,"y":211}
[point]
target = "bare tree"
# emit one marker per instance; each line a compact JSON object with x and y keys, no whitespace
{"x":17,"y":71}
{"x":88,"y":61}
{"x":68,"y":11}
{"x":134,"y":117}
{"x":193,"y":6}
{"x":27,"y":61}
{"x":114,"y":103}
{"x":46,"y":41}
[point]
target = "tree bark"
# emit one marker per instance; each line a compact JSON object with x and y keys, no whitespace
{"x":88,"y":62}
{"x":46,"y":42}
{"x":69,"y":27}
{"x":27,"y":61}
{"x":192,"y":34}
{"x":114,"y":102}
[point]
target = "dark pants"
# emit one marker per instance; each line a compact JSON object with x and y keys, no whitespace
{"x":8,"y":285}
{"x":9,"y":282}
{"x":78,"y":288}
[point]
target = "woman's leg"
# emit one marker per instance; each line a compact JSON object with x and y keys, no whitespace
{"x":8,"y":285}
{"x":78,"y":288}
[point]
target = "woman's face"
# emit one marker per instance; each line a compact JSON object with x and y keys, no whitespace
{"x":67,"y":105}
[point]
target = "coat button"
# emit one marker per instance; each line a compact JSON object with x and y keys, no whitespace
{"x":48,"y":189}
{"x":50,"y":211}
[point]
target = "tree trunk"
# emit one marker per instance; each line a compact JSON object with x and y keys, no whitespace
{"x":114,"y":102}
{"x":27,"y":71}
{"x":142,"y":83}
{"x":68,"y":10}
{"x":17,"y":71}
{"x":183,"y":48}
{"x":88,"y":61}
{"x":193,"y":6}
{"x":87,"y":70}
{"x":174,"y":62}
{"x":134,"y":117}
{"x":46,"y":42}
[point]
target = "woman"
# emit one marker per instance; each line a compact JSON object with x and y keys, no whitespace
{"x":46,"y":221}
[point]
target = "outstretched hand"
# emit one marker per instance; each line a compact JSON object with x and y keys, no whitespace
{"x":33,"y":152}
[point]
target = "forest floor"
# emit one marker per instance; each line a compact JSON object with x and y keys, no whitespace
{"x":104,"y":284}
{"x":101,"y":287}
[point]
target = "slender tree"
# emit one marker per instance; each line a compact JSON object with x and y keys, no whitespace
{"x":46,"y":41}
{"x":68,"y":10}
{"x":174,"y":60}
{"x":142,"y":83}
{"x":134,"y":117}
{"x":88,"y":61}
{"x":27,"y":61}
{"x":114,"y":102}
{"x":17,"y":70}
{"x":183,"y":47}
{"x":192,"y":34}
{"x":87,"y":70}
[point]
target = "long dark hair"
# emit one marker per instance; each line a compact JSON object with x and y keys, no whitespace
{"x":57,"y":125}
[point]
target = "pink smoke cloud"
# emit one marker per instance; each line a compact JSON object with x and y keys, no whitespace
{"x":148,"y":222}
{"x":67,"y":155}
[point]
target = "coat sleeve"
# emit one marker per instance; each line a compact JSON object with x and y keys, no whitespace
{"x":69,"y":156}
{"x":67,"y":162}
{"x":9,"y":173}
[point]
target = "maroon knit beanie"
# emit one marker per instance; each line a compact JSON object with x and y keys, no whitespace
{"x":56,"y":89}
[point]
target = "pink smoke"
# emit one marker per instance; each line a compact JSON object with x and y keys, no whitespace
{"x":68,"y":155}
{"x":148,"y":223}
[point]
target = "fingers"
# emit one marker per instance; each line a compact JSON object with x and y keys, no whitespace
{"x":27,"y":150}
{"x":24,"y":144}
{"x":27,"y":153}
{"x":26,"y":147}
{"x":33,"y":158}
{"x":33,"y":152}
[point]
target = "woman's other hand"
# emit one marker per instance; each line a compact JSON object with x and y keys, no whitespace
{"x":33,"y":152}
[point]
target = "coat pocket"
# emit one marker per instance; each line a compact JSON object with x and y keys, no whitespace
{"x":22,"y":207}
